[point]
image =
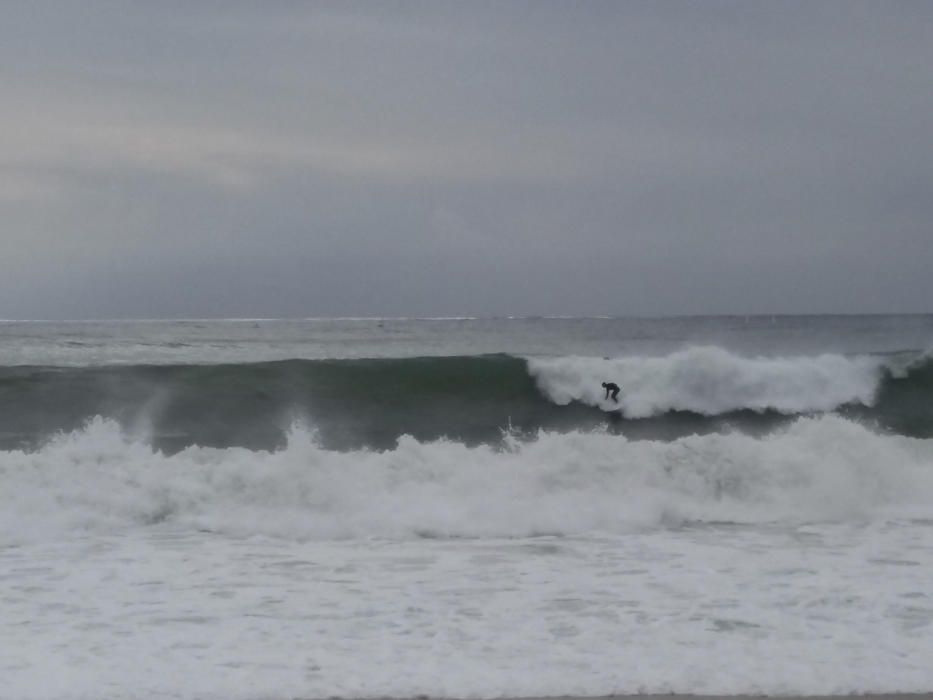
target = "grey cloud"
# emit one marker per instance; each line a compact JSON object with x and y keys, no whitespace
{"x":433,"y":158}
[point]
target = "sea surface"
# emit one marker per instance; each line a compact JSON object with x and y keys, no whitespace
{"x":265,"y":509}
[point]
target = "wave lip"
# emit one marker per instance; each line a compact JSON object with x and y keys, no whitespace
{"x":711,"y":381}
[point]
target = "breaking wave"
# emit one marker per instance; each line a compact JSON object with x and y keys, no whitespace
{"x":98,"y":479}
{"x":710,"y":381}
{"x":356,"y":404}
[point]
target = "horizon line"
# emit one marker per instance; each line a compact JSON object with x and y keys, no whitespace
{"x":494,"y":317}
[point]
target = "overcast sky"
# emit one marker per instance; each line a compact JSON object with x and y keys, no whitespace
{"x":196,"y":159}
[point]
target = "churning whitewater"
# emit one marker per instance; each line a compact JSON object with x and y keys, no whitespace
{"x":711,"y":380}
{"x":452,"y":508}
{"x":99,"y":481}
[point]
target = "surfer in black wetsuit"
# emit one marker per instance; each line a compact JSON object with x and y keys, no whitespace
{"x":613,"y":389}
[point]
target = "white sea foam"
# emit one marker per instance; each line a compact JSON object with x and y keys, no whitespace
{"x":711,"y":380}
{"x":150,"y":614}
{"x":827,"y":468}
{"x":229,"y":573}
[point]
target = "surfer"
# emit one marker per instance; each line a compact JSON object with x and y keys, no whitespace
{"x":613,"y":389}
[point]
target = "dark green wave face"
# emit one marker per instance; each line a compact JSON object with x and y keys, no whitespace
{"x":904,"y":401}
{"x":366,"y":403}
{"x":351,"y":403}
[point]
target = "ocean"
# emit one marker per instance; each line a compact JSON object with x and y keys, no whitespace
{"x":451,"y":507}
